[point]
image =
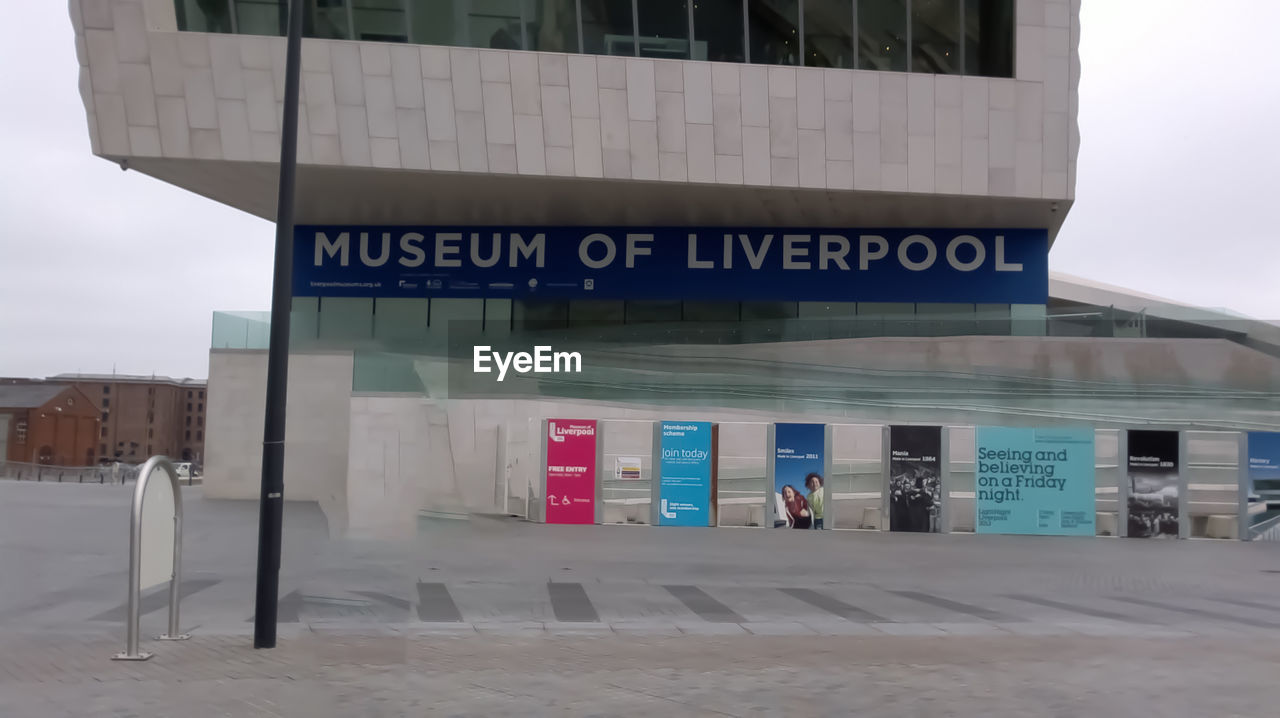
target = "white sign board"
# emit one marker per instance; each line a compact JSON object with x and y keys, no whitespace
{"x":157,"y":530}
{"x":627,"y":468}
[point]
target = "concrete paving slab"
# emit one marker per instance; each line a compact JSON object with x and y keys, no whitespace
{"x":711,"y":629}
{"x":908,"y":629}
{"x":970,"y":629}
{"x":840,"y":628}
{"x":780,"y":628}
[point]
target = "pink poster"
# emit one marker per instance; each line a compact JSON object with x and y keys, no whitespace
{"x":571,"y":471}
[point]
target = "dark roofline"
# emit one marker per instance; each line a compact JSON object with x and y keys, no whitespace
{"x":129,"y":379}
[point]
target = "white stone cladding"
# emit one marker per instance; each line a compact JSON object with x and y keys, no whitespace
{"x":151,"y":91}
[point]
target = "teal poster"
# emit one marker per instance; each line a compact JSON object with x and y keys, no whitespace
{"x":1035,"y":481}
{"x":684,"y":474}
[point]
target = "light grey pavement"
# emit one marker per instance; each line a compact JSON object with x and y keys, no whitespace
{"x":322,"y":674}
{"x":68,"y":545}
{"x":499,"y":617}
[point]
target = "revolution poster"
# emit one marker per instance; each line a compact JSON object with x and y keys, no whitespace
{"x":1035,"y":481}
{"x":799,"y":486}
{"x":1153,"y":484}
{"x":915,"y":478}
{"x":684,"y":473}
{"x":571,"y":471}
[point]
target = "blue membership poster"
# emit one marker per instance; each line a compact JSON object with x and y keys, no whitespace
{"x":1035,"y":481}
{"x":684,"y":474}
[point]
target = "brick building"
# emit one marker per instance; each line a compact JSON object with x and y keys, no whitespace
{"x":47,"y":423}
{"x":142,"y":416}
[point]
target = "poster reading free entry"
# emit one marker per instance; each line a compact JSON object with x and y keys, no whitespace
{"x":684,"y":479}
{"x":799,"y":486}
{"x":571,"y":471}
{"x":1035,"y":481}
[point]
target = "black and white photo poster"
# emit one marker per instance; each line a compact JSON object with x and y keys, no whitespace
{"x":1153,"y":484}
{"x":915,"y":478}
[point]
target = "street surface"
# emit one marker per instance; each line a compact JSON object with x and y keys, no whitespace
{"x":495,"y":616}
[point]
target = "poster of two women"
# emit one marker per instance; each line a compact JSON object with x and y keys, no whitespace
{"x":799,"y":482}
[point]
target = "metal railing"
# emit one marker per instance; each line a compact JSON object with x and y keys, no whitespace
{"x":117,"y":473}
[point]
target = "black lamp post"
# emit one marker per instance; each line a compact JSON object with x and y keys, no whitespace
{"x":271,"y":508}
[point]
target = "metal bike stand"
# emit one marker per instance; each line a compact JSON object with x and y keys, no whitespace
{"x":131,"y":652}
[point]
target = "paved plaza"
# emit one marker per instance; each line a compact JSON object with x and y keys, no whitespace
{"x":496,"y":616}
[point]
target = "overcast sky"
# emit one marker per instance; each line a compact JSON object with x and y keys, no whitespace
{"x":1179,"y":163}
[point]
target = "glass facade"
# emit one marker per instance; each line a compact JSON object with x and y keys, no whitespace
{"x":347,"y":323}
{"x":971,"y":37}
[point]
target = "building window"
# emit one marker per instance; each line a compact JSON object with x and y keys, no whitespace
{"x":718,"y":31}
{"x":105,"y":415}
{"x":188,"y":421}
{"x":20,"y":431}
{"x":664,"y":30}
{"x":882,"y":29}
{"x":106,"y":390}
{"x":552,"y":26}
{"x":188,"y":395}
{"x":973,"y":37}
{"x":199,"y":436}
{"x":828,"y":33}
{"x":106,"y":403}
{"x":103,"y":450}
{"x":151,"y":417}
{"x":589,"y":312}
{"x":188,"y":406}
{"x":607,"y":27}
{"x":151,"y":434}
{"x":988,"y":38}
{"x":148,"y":449}
{"x":199,"y":407}
{"x":188,"y":437}
{"x":199,"y":421}
{"x":774,"y":31}
{"x":202,"y":395}
{"x":534,"y":314}
{"x":104,"y":434}
{"x":935,"y":36}
{"x":639,"y":311}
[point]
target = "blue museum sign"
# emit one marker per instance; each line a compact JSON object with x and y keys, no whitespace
{"x":998,"y":266}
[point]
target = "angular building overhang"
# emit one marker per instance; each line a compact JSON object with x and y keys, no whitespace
{"x":354,"y":195}
{"x":400,"y":133}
